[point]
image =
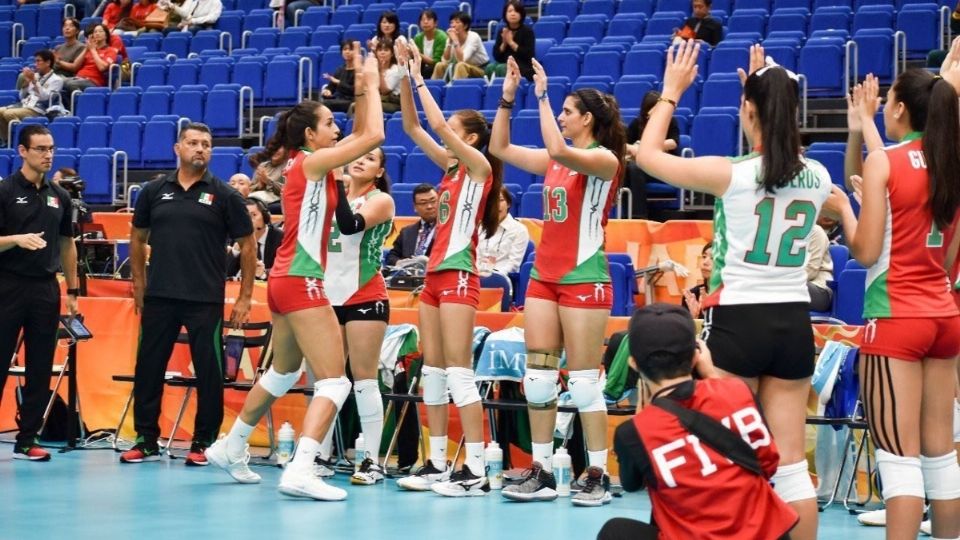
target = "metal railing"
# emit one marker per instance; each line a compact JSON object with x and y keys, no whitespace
{"x":899,"y":53}
{"x":849,"y":56}
{"x":300,"y":96}
{"x":113,"y":185}
{"x":248,"y":91}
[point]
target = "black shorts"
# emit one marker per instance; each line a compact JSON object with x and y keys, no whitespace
{"x":751,"y":340}
{"x":378,"y":310}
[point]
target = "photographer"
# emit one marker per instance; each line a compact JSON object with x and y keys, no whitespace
{"x":696,"y":490}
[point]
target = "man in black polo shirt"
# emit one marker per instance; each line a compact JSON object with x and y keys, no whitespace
{"x":186,"y":217}
{"x":36,"y":240}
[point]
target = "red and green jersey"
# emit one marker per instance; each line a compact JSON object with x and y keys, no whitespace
{"x":308,"y":206}
{"x":353,"y":271}
{"x":908,"y":279}
{"x":575,"y":210}
{"x":462,"y":200}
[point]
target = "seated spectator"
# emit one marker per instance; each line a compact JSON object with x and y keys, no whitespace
{"x":137,"y":20}
{"x":503,"y":252}
{"x":388,"y":26}
{"x":337,"y":95}
{"x":702,"y":26}
{"x":696,"y":490}
{"x":91,"y":67}
{"x":41,"y":84}
{"x":834,"y":230}
{"x":116,"y":11}
{"x":390,"y":75}
{"x":464,"y":51}
{"x":241,"y":183}
{"x":516,"y":39}
{"x":268,"y":240}
{"x":693,"y":297}
{"x":431,"y":41}
{"x":819,"y":270}
{"x":67,"y":53}
{"x":298,"y":5}
{"x":634,"y":177}
{"x":416,"y":239}
{"x":194,"y":14}
{"x":267,"y":185}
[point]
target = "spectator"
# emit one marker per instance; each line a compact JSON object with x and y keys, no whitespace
{"x":503,"y":252}
{"x":84,"y":8}
{"x":241,"y":183}
{"x":194,"y":14}
{"x":634,"y":177}
{"x":390,"y":75}
{"x":116,"y":11}
{"x":298,"y":5}
{"x":693,"y":297}
{"x":416,"y":239}
{"x":516,"y":39}
{"x":819,"y":270}
{"x":267,"y":183}
{"x":268,"y":240}
{"x":337,"y":95}
{"x":71,"y":49}
{"x":702,"y":26}
{"x":41,"y":85}
{"x":92,"y":66}
{"x":431,"y":41}
{"x":834,"y":230}
{"x":464,"y":51}
{"x":696,"y":490}
{"x":388,"y":26}
{"x":137,"y":20}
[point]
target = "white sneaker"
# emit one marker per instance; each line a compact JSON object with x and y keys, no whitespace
{"x":424,"y":478}
{"x":926,"y":527}
{"x":369,"y":474}
{"x":300,"y":482}
{"x":236,"y":467}
{"x":323,"y":468}
{"x":462,"y":483}
{"x":876,"y":518}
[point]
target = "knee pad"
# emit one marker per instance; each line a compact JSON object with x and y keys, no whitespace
{"x":585,"y":390}
{"x":941,"y":476}
{"x":462,"y":384}
{"x":434,"y":386}
{"x":369,"y":402}
{"x":901,"y":476}
{"x":540,"y":379}
{"x":277,"y":384}
{"x":792,"y":483}
{"x":336,"y":390}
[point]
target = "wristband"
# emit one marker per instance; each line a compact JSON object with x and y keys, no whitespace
{"x":73,"y":292}
{"x":544,"y":96}
{"x":667,"y":100}
{"x":504,"y":104}
{"x":421,"y":85}
{"x":361,"y":94}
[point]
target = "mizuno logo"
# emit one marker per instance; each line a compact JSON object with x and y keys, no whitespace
{"x":166,"y":197}
{"x":363,"y":311}
{"x":584,"y":297}
{"x":21,"y":200}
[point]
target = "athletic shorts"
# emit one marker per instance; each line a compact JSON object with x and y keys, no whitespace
{"x":750,"y":340}
{"x":286,"y":294}
{"x":576,"y":295}
{"x":451,"y":286}
{"x":378,"y":310}
{"x":912,"y":339}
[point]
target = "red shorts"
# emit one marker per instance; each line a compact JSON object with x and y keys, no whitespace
{"x":286,"y":294}
{"x":912,"y":339}
{"x":576,"y":295}
{"x":451,"y":286}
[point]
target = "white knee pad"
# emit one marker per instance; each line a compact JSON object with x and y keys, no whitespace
{"x":277,"y":384}
{"x":434,"y":385}
{"x":540,"y":387}
{"x":941,"y":477}
{"x":585,"y":390}
{"x":792,"y":483}
{"x":336,"y":390}
{"x":369,"y":402}
{"x":462,"y":384}
{"x":901,"y":476}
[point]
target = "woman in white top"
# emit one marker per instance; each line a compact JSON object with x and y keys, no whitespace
{"x":503,"y":251}
{"x":390,"y":74}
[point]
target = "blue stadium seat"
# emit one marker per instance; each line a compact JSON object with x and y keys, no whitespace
{"x":349,"y":14}
{"x":395,"y":134}
{"x":156,"y":101}
{"x":920,"y":23}
{"x":216,"y":71}
{"x":281,"y":81}
{"x":159,"y":136}
{"x":444,"y":9}
{"x":748,"y":20}
{"x":225,"y":161}
{"x":626,"y":25}
{"x":491,"y":97}
{"x":224,"y":118}
{"x":95,"y":166}
{"x":832,"y":160}
{"x":551,"y":28}
{"x":418,"y":168}
{"x":184,"y":71}
{"x":594,"y":26}
{"x":65,"y":157}
{"x":327,"y":36}
{"x":525,"y":131}
{"x":875,"y":52}
{"x":262,"y":38}
{"x":188,"y":102}
{"x":873,"y":18}
{"x":850,"y":293}
{"x":297,"y":36}
{"x":177,"y":44}
{"x":371,"y":15}
{"x":359,"y":32}
{"x":636,"y":6}
{"x":49,"y":20}
{"x":258,"y":18}
{"x":787,"y":22}
{"x":531,"y":205}
{"x":645,"y":59}
{"x":205,"y":40}
{"x":785,"y":4}
{"x":27,"y":15}
{"x":152,"y":72}
{"x":64,"y":131}
{"x":632,"y":88}
{"x":783,"y":53}
{"x":753,"y":4}
{"x":249,"y":71}
{"x":463,"y":96}
{"x":521,"y":178}
{"x":124,"y":101}
{"x":663,"y":23}
{"x":602,"y":63}
{"x":728,"y":56}
{"x":568,"y":8}
{"x":715,"y":135}
{"x":600,"y":7}
{"x":126,"y":135}
{"x":602,"y":83}
{"x":409,"y":13}
{"x":92,"y":102}
{"x":828,"y":3}
{"x":674,"y":5}
{"x":230,"y":21}
{"x":314,"y":16}
{"x":30,"y":47}
{"x":394,"y":165}
{"x":830,"y":18}
{"x":721,"y":90}
{"x":821,"y":61}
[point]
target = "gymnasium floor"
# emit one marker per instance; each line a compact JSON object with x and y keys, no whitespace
{"x":89,"y":495}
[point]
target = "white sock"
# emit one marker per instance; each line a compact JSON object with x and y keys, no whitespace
{"x":370,"y":409}
{"x":307,"y":449}
{"x":438,"y":452}
{"x":326,"y":445}
{"x":237,"y":438}
{"x":475,"y":458}
{"x":543,"y":454}
{"x":598,"y":458}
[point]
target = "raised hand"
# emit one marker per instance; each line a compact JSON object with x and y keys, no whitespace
{"x":681,"y":69}
{"x":357,"y":57}
{"x":415,"y":62}
{"x":869,"y":102}
{"x":757,"y":61}
{"x":371,"y":67}
{"x":853,"y":109}
{"x":511,"y":80}
{"x":539,"y":78}
{"x":950,"y":70}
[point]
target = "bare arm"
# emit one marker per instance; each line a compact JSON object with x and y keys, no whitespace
{"x":408,"y":110}
{"x":68,"y":261}
{"x":138,"y":265}
{"x":528,"y":159}
{"x":865,"y":237}
{"x":248,"y":271}
{"x":359,"y":93}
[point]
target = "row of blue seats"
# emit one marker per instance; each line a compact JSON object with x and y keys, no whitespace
{"x":572,"y":8}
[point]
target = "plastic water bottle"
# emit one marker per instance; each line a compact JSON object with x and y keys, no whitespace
{"x":285,"y":444}
{"x":562,"y":471}
{"x":359,"y":452}
{"x":493,"y":455}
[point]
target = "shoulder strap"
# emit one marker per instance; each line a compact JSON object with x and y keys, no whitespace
{"x":714,"y":434}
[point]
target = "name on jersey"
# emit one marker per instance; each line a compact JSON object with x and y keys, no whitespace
{"x":805,"y":180}
{"x":673,"y":455}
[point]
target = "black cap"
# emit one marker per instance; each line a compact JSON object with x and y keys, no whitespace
{"x":666,"y":328}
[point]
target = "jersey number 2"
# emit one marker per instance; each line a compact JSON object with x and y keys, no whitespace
{"x":334,"y":246}
{"x":786,"y":256}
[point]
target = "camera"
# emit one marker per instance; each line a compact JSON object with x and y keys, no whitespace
{"x":74,"y":186}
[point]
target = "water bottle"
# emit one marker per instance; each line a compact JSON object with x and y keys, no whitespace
{"x":562,"y":471}
{"x":358,"y":452}
{"x":493,"y":455}
{"x":285,"y":444}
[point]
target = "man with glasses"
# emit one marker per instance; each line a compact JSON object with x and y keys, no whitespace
{"x":186,"y":217}
{"x":36,"y":241}
{"x":416,"y":239}
{"x":40,"y":85}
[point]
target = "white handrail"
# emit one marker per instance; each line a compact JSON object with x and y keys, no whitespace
{"x":263,"y":123}
{"x":899,"y":53}
{"x":300,"y":97}
{"x":113,"y":191}
{"x":847,"y":56}
{"x":243,"y":90}
{"x":229,"y":37}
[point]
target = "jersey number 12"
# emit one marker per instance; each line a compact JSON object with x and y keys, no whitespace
{"x":803,"y":212}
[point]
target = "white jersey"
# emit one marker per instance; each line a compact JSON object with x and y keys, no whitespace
{"x":353,"y":261}
{"x":760,"y":238}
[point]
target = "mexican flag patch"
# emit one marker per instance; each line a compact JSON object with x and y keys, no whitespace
{"x":53,"y":202}
{"x":206,"y":198}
